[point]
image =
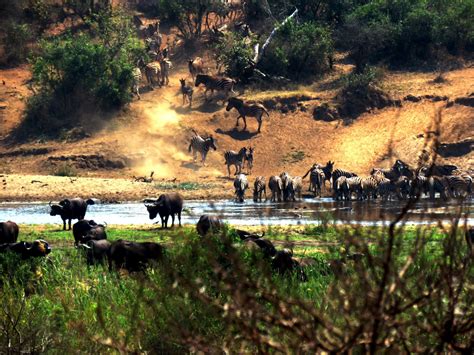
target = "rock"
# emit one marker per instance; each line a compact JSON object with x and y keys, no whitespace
{"x":412,"y":98}
{"x":465,"y":101}
{"x":325,"y":113}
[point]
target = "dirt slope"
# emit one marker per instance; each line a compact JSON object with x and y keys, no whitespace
{"x":152,"y":134}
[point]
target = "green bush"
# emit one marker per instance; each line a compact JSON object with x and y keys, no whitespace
{"x":299,"y":50}
{"x":16,"y":40}
{"x":79,"y":74}
{"x":236,"y":54}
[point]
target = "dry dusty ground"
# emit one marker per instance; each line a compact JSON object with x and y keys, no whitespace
{"x":152,"y":134}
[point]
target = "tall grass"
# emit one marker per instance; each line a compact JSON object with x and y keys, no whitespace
{"x":214,"y":294}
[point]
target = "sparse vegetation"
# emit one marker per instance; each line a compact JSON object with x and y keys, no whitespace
{"x":185,"y":186}
{"x":294,"y":157}
{"x":65,"y":170}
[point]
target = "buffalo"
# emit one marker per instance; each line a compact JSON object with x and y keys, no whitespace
{"x":166,"y":205}
{"x":209,"y":223}
{"x":96,"y":251}
{"x":26,"y":250}
{"x":70,"y":209}
{"x":8,"y":232}
{"x":85,"y":230}
{"x":284,"y":263}
{"x":133,"y":256}
{"x":265,"y":246}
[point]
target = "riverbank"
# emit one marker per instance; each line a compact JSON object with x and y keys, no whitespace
{"x":19,"y":188}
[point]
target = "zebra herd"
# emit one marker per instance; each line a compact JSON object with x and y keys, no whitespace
{"x":398,"y":182}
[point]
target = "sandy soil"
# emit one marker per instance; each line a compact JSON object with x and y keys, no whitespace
{"x":152,"y":134}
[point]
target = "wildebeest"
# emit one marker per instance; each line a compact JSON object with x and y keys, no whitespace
{"x":259,"y":189}
{"x":240,"y":184}
{"x":96,"y":251}
{"x":70,"y":209}
{"x":133,"y":256}
{"x":85,"y":230}
{"x":247,"y":110}
{"x":166,"y":205}
{"x":208,"y":223}
{"x":195,"y":66}
{"x":26,"y":250}
{"x":8,"y":232}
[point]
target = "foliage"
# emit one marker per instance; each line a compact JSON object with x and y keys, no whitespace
{"x":185,"y":186}
{"x":235,"y":53}
{"x":65,"y":170}
{"x":15,"y":41}
{"x":299,"y":50}
{"x":76,"y":74}
{"x":361,"y":81}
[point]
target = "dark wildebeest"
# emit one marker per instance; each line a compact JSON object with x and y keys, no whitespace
{"x":133,"y":256}
{"x":85,"y":230}
{"x":26,"y":250}
{"x":209,"y":223}
{"x":96,"y":251}
{"x":70,"y":209}
{"x":8,"y":232}
{"x":166,"y":205}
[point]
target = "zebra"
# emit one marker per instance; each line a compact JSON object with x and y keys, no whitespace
{"x":136,"y":79}
{"x":215,"y":83}
{"x":152,"y":71}
{"x":437,"y":185}
{"x":295,"y":186}
{"x":437,"y":170}
{"x":355,"y":186}
{"x":458,"y":186}
{"x":249,"y":159}
{"x":259,"y":189}
{"x":398,"y":169}
{"x":276,"y":187}
{"x":201,"y":145}
{"x":187,"y":92}
{"x":285,"y":180}
{"x":403,"y":187}
{"x":419,"y":186}
{"x":386,"y":189}
{"x":316,"y":179}
{"x":195,"y":66}
{"x":369,"y":186}
{"x":240,"y":184}
{"x":341,"y":191}
{"x":245,"y":109}
{"x":165,"y":66}
{"x":336,"y":174}
{"x":236,"y":159}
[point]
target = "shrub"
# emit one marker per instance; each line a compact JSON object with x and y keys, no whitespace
{"x":16,"y":40}
{"x":83,"y":73}
{"x":236,"y":54}
{"x":299,"y":50}
{"x":65,"y":170}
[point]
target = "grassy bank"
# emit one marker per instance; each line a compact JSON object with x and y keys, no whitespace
{"x":213,"y":294}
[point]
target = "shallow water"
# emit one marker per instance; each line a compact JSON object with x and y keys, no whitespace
{"x":308,"y":211}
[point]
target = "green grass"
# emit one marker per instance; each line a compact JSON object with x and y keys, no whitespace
{"x":70,"y":306}
{"x":294,"y":157}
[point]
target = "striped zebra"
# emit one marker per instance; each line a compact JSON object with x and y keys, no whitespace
{"x":247,"y":110}
{"x":136,"y":80}
{"x":187,"y":92}
{"x":240,"y":184}
{"x":336,"y":174}
{"x":202,"y":146}
{"x":295,"y":186}
{"x":165,"y":66}
{"x":369,"y":186}
{"x":259,"y":189}
{"x":236,"y":159}
{"x":458,"y":186}
{"x":215,"y":83}
{"x":341,"y":191}
{"x":398,"y":169}
{"x":153,"y":74}
{"x":276,"y":187}
{"x":249,"y":159}
{"x":355,"y":186}
{"x":419,"y":186}
{"x":386,"y":189}
{"x":286,"y":189}
{"x":316,"y":179}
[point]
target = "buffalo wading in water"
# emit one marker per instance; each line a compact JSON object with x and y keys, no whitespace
{"x":166,"y":205}
{"x":70,"y":209}
{"x":8,"y":232}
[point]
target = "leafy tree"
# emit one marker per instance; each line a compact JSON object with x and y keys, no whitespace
{"x":299,"y":50}
{"x":16,"y":40}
